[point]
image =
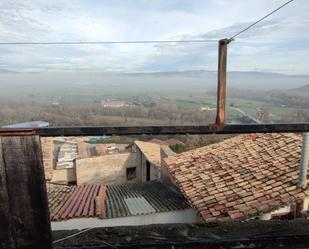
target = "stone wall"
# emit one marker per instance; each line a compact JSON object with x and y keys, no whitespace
{"x":154,"y":170}
{"x":107,"y":169}
{"x":48,"y":156}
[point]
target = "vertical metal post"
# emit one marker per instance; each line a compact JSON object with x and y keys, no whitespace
{"x":303,"y":168}
{"x":221,"y":91}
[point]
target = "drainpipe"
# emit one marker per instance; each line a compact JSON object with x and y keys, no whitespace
{"x":303,"y":169}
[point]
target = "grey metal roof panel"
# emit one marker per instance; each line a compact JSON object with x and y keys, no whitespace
{"x":142,"y":198}
{"x":139,"y":205}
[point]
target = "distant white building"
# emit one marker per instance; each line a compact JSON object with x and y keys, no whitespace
{"x":207,"y":108}
{"x":113,"y":103}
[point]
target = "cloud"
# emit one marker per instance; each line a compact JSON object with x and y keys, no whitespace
{"x":274,"y":42}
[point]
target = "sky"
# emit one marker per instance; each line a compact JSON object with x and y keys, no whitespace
{"x":279,"y":44}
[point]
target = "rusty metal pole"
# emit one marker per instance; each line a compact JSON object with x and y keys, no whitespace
{"x":221,"y":91}
{"x":303,"y":168}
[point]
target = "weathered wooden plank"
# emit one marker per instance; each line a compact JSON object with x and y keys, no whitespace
{"x":172,"y":130}
{"x":6,"y":236}
{"x":26,"y":191}
{"x":161,"y":130}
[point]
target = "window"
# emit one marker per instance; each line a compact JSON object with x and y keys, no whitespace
{"x":131,"y":173}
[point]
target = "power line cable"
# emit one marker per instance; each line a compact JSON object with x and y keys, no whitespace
{"x":145,"y":41}
{"x":80,"y":232}
{"x":261,"y":19}
{"x":108,"y":42}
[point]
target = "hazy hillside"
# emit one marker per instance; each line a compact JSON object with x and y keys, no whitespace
{"x":193,"y":82}
{"x":302,"y":88}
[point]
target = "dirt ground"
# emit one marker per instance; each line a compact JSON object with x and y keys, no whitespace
{"x":251,"y":234}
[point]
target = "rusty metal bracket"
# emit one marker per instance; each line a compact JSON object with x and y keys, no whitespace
{"x":17,"y":132}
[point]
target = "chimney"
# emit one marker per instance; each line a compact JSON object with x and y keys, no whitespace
{"x":303,"y":168}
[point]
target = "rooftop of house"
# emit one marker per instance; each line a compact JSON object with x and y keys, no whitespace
{"x":111,"y":201}
{"x":168,"y":142}
{"x":151,"y":151}
{"x":30,"y":124}
{"x":241,"y":177}
{"x":68,"y":152}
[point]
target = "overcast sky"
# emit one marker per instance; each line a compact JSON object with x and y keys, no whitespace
{"x":279,"y":44}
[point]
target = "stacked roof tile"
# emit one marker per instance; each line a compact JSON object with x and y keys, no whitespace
{"x":57,"y":197}
{"x":79,"y":201}
{"x":241,"y":177}
{"x":167,"y":142}
{"x":67,"y":202}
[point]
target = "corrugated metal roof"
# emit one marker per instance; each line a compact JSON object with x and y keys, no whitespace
{"x":66,"y":202}
{"x":142,"y":198}
{"x":30,"y":124}
{"x":139,"y":205}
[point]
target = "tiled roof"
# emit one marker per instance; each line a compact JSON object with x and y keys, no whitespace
{"x":78,"y":202}
{"x":173,"y":141}
{"x":57,"y":196}
{"x":168,"y":142}
{"x":157,"y":141}
{"x":151,"y":152}
{"x":66,"y":202}
{"x":240,"y":177}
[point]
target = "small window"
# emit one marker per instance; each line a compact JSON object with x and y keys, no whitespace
{"x":131,"y":173}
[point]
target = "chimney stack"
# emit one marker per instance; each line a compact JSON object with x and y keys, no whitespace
{"x":303,"y":168}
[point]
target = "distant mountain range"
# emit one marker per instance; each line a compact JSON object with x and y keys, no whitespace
{"x":239,"y":79}
{"x":192,"y":79}
{"x":302,"y":88}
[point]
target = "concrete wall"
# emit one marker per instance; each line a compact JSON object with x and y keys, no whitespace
{"x":47,"y":144}
{"x":107,"y":169}
{"x":64,"y":175}
{"x":154,"y":170}
{"x":187,"y":216}
{"x":286,"y":209}
{"x":166,"y":176}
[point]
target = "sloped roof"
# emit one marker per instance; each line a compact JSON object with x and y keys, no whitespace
{"x":240,"y":177}
{"x":76,"y":202}
{"x":168,"y":142}
{"x":142,"y":198}
{"x":157,"y":141}
{"x":173,"y":141}
{"x":151,"y":151}
{"x":111,"y":201}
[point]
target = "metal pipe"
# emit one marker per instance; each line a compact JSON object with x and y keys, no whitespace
{"x":303,"y":168}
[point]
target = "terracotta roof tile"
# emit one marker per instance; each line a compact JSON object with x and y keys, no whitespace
{"x":240,"y":177}
{"x":67,"y":202}
{"x":168,"y":142}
